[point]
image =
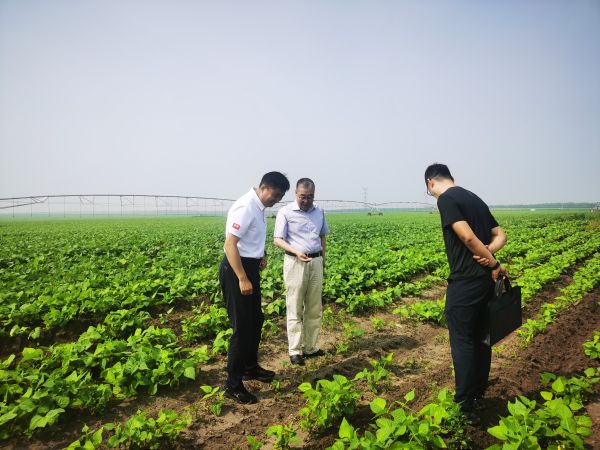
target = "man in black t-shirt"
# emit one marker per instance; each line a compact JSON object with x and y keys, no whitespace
{"x":472,"y":236}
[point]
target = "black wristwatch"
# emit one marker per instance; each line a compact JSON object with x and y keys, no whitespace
{"x":497,"y":265}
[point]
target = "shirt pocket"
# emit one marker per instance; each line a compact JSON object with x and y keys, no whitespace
{"x":309,"y":228}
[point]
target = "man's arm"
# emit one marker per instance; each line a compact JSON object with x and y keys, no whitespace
{"x":279,"y":242}
{"x":497,"y":242}
{"x":480,"y":251}
{"x":235,"y":261}
{"x":323,"y":246}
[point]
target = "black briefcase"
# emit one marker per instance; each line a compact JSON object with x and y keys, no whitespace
{"x":503,"y":311}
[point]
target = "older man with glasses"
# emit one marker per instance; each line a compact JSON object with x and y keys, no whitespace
{"x":300,"y":230}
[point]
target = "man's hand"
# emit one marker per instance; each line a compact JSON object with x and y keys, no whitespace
{"x":500,"y":271}
{"x":263,"y":263}
{"x":246,"y":286}
{"x":486,"y":262}
{"x":302,"y":257}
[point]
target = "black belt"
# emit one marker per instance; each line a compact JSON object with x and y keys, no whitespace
{"x":244,"y":259}
{"x":310,"y":255}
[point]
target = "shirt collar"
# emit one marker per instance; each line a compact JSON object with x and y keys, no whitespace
{"x":256,"y":200}
{"x":297,"y":208}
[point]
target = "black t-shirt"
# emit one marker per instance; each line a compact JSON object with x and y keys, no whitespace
{"x":455,"y":205}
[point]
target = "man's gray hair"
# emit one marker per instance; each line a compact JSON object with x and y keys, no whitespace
{"x":305,"y":182}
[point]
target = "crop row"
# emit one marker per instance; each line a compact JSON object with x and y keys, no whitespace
{"x":55,"y":273}
{"x":534,"y":279}
{"x":584,"y":281}
{"x":61,"y":273}
{"x":87,"y":374}
{"x":528,"y":235}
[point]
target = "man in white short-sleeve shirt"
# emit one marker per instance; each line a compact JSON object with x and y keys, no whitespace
{"x":300,"y":230}
{"x":239,"y":276}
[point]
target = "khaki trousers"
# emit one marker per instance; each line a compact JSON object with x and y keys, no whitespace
{"x":303,"y":288}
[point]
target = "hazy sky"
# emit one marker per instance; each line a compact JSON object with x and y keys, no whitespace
{"x":203,"y":97}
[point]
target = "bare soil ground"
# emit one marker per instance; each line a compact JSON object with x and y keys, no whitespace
{"x":516,"y":371}
{"x":422,"y":357}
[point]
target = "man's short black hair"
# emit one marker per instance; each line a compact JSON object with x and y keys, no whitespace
{"x":275,"y":180}
{"x":306,"y":182}
{"x":438,"y":171}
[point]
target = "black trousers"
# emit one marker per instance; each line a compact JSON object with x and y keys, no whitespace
{"x":466,"y":302}
{"x":246,"y":317}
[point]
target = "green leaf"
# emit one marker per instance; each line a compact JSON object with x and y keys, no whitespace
{"x":305,"y":387}
{"x":97,"y":437}
{"x":584,"y":421}
{"x":274,"y":430}
{"x":4,"y":418}
{"x":62,"y":401}
{"x":8,"y":361}
{"x":575,"y":405}
{"x":206,"y":389}
{"x":378,"y":405}
{"x":559,"y":385}
{"x":384,"y":432}
{"x":27,"y":405}
{"x":53,"y":414}
{"x":499,"y":432}
{"x":37,"y":421}
{"x":547,"y":377}
{"x":31,"y":353}
{"x":517,"y":408}
{"x":438,"y":442}
{"x":72,"y":377}
{"x":74,"y":445}
{"x":424,"y":429}
{"x":346,"y":430}
{"x":114,"y":441}
{"x":190,"y":372}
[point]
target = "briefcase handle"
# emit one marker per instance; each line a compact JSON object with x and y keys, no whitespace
{"x":500,"y":282}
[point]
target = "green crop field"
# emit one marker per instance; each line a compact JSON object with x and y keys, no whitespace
{"x":96,"y":315}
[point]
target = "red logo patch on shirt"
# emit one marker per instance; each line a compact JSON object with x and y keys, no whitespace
{"x":236,"y":226}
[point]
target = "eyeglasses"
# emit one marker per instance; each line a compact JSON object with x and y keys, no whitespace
{"x":306,"y":197}
{"x":428,"y":192}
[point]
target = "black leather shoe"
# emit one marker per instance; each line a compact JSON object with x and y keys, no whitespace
{"x":240,"y":395}
{"x":478,"y":404}
{"x":260,"y":374}
{"x":472,"y":418}
{"x":314,"y":354}
{"x":297,"y":360}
